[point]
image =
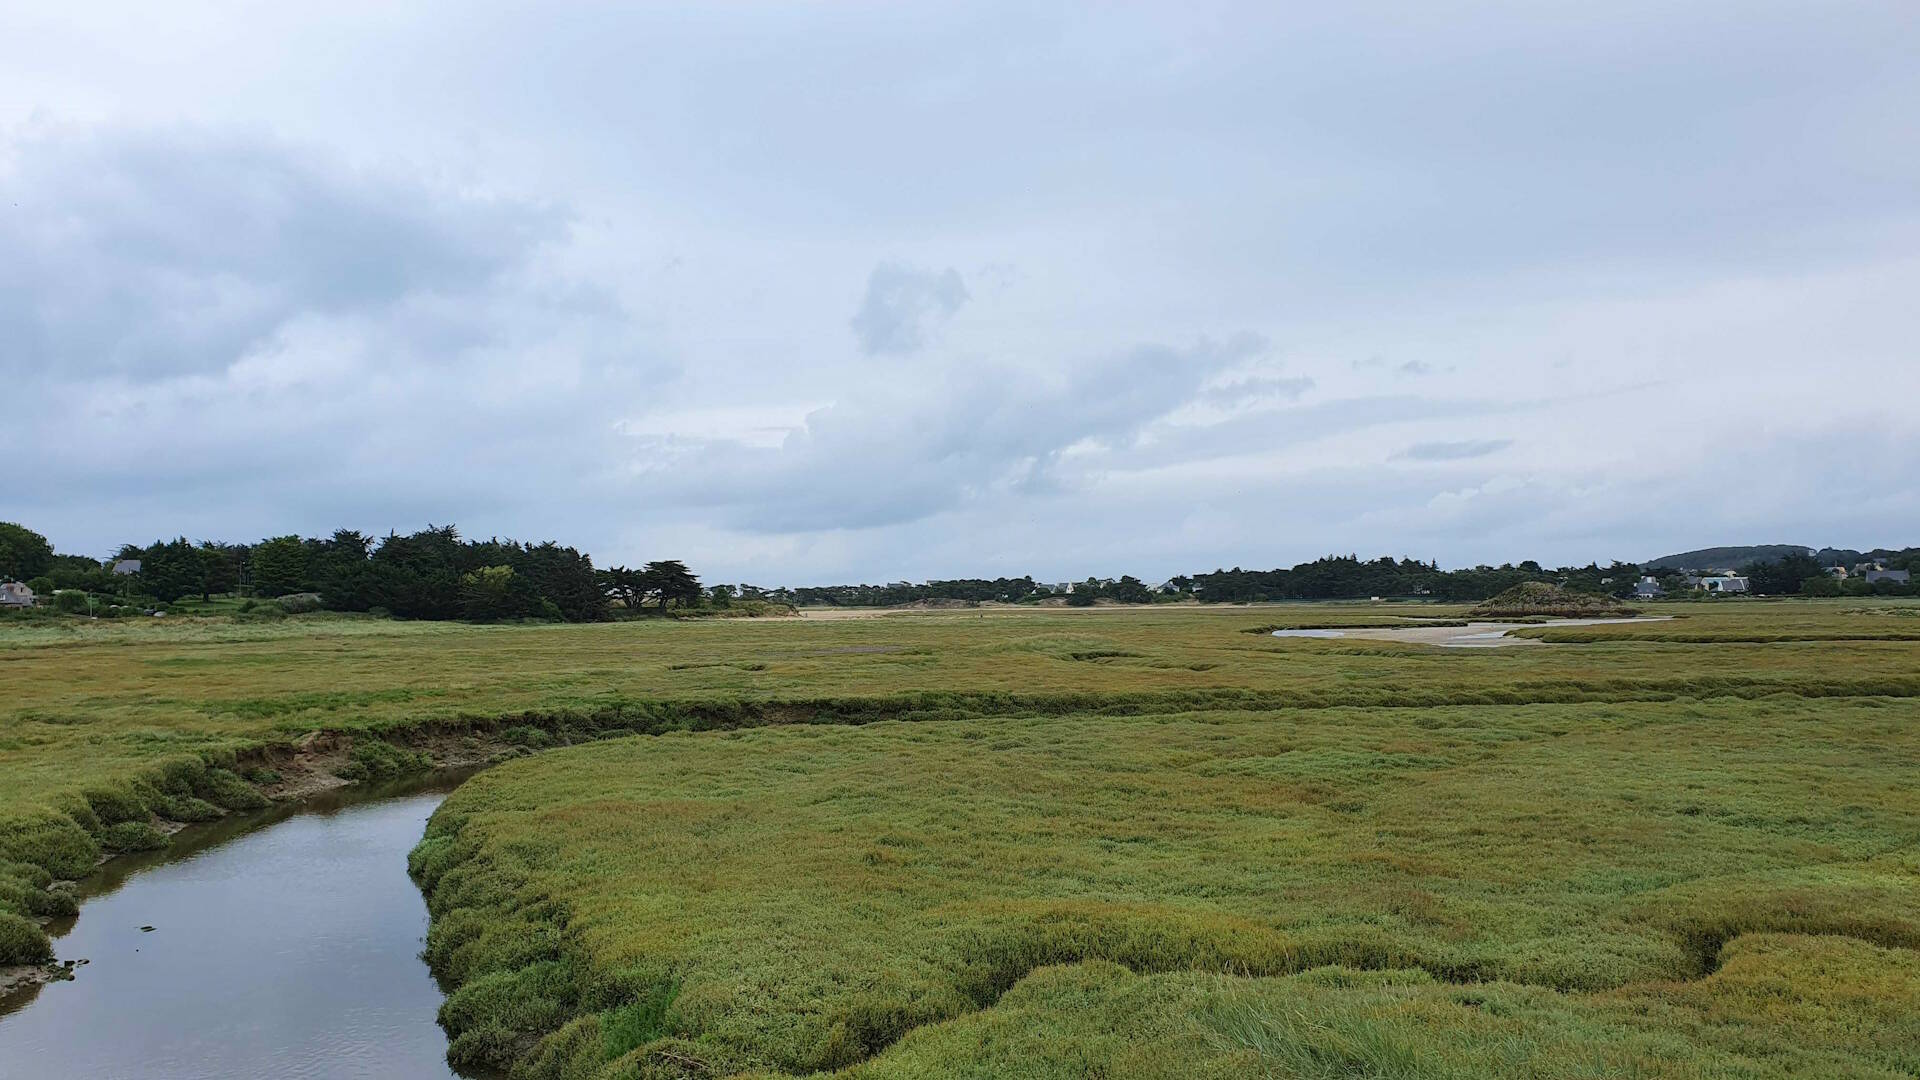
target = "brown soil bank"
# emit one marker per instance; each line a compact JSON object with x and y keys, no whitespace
{"x":1540,"y":598}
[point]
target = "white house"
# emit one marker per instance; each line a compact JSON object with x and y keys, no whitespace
{"x":15,"y":594}
{"x":1726,"y":583}
{"x":1648,"y":589}
{"x":1891,"y":577}
{"x":127,"y":566}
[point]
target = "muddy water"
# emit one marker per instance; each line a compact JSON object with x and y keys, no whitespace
{"x":281,"y":946}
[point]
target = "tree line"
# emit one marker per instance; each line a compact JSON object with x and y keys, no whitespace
{"x":430,"y":574}
{"x":1348,"y":577}
{"x":1341,"y":577}
{"x":436,"y":574}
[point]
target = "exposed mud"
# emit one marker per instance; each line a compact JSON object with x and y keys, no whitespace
{"x":312,"y":765}
{"x":21,"y":977}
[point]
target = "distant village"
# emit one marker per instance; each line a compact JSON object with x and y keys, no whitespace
{"x":1726,"y":581}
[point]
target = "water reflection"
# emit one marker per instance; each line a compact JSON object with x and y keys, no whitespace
{"x":283,"y":944}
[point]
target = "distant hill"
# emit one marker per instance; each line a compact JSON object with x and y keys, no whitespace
{"x":1716,"y":557}
{"x":1736,"y":557}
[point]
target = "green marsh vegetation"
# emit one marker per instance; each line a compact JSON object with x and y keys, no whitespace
{"x":1510,"y":888}
{"x":1095,"y":843}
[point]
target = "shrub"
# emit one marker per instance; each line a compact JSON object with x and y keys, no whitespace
{"x":377,"y":759}
{"x":226,"y":789}
{"x":523,"y":735}
{"x":71,"y":602}
{"x":54,"y":902}
{"x":188,"y":808}
{"x":75,"y":808}
{"x":16,"y":896}
{"x":130,"y":836}
{"x":33,"y":876}
{"x":114,"y":805}
{"x":181,"y":775}
{"x":22,"y":941}
{"x":53,"y":841}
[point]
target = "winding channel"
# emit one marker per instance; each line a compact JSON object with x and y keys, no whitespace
{"x":282,"y":944}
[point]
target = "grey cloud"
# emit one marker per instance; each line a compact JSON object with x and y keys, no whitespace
{"x":1809,"y":478}
{"x":1203,"y":522}
{"x":1266,"y":431}
{"x":1454,"y":451}
{"x":243,"y":337}
{"x":983,"y":435}
{"x":904,"y":306}
{"x":151,"y":254}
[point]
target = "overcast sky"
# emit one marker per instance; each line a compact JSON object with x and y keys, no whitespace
{"x":831,"y":292}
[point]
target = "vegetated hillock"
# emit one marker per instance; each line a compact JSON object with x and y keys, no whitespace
{"x":1540,"y":598}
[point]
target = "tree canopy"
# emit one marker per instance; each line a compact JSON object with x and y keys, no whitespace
{"x":23,"y":553}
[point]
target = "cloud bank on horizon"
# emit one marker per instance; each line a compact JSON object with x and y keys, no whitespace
{"x":814,"y":293}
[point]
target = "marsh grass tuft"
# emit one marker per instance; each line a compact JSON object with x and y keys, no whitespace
{"x":377,"y":759}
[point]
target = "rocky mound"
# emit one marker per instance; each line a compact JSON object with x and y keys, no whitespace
{"x":1539,"y":598}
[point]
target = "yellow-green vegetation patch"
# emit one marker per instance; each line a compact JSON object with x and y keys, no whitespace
{"x":1783,"y":1006}
{"x":1572,"y":889}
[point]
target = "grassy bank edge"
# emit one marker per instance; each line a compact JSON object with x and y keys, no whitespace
{"x":43,"y":848}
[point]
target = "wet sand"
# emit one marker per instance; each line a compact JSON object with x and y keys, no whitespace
{"x":1475,"y":635}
